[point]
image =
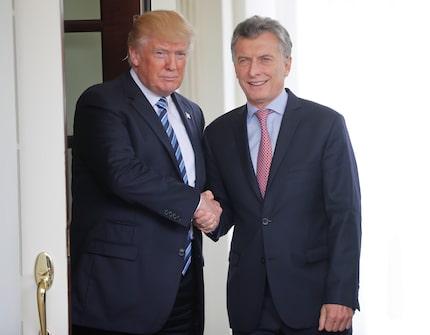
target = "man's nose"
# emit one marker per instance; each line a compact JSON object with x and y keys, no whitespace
{"x":171,"y":61}
{"x":254,"y":67}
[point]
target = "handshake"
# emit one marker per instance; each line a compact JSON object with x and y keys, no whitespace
{"x":207,"y":216}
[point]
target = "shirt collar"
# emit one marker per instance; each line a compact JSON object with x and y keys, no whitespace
{"x":278,"y":105}
{"x":151,"y":96}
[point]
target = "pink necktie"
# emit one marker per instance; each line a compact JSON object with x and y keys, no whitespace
{"x":264,"y":159}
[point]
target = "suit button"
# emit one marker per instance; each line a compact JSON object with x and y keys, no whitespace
{"x":182,"y":252}
{"x":263,"y":260}
{"x":265,"y":221}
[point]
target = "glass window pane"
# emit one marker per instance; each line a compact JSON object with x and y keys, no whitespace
{"x":81,"y":9}
{"x":83,"y":58}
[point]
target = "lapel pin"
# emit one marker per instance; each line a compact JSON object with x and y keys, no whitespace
{"x":187,"y":115}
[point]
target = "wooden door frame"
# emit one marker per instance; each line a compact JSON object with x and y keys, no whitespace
{"x":115,"y":21}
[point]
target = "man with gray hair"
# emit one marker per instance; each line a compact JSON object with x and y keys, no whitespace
{"x":284,"y":172}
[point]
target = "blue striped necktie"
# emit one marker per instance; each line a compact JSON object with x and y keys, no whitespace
{"x":162,"y":114}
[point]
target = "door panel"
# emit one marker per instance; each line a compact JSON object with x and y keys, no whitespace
{"x":83,"y":67}
{"x":36,"y":191}
{"x":10,"y":317}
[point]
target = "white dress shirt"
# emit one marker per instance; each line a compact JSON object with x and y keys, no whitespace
{"x":177,"y":125}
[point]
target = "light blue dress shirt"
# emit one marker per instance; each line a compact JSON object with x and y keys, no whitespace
{"x":274,"y":120}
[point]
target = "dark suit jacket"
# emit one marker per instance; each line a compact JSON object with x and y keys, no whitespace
{"x":131,"y":211}
{"x":304,"y":237}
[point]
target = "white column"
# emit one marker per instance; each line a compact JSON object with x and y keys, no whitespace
{"x":209,"y":82}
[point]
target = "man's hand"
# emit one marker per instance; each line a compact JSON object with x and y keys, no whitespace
{"x":207,"y":216}
{"x":335,"y":318}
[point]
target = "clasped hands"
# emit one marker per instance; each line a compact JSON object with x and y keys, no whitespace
{"x":207,"y":216}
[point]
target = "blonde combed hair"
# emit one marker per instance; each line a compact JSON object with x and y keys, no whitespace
{"x":167,"y":25}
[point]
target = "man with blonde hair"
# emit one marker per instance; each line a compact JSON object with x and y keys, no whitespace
{"x":138,"y":178}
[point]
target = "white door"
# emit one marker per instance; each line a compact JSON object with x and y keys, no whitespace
{"x":32,"y":171}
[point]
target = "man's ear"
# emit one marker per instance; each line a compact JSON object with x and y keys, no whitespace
{"x":133,"y":56}
{"x":287,"y":66}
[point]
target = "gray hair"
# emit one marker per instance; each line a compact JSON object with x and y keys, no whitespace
{"x":255,"y":26}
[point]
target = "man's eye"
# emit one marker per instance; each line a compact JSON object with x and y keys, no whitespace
{"x":160,"y":54}
{"x":181,"y":55}
{"x":243,"y":61}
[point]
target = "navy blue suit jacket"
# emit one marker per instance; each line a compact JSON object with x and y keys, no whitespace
{"x":131,"y":211}
{"x":304,"y":237}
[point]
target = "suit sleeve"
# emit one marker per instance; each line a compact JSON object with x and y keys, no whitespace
{"x":215,"y":184}
{"x":342,"y":203}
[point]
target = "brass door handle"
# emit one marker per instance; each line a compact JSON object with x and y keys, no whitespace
{"x":44,"y":275}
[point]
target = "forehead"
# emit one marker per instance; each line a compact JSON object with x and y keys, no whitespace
{"x":157,"y":43}
{"x":265,"y":43}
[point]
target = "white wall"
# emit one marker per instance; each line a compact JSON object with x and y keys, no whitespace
{"x":208,"y":85}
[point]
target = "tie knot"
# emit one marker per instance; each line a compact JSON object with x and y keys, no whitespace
{"x":162,"y":103}
{"x":262,"y":114}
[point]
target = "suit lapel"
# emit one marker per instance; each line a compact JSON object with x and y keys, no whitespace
{"x":290,"y":121}
{"x":191,"y":123}
{"x":243,"y":154}
{"x":188,"y":119}
{"x":143,"y":108}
